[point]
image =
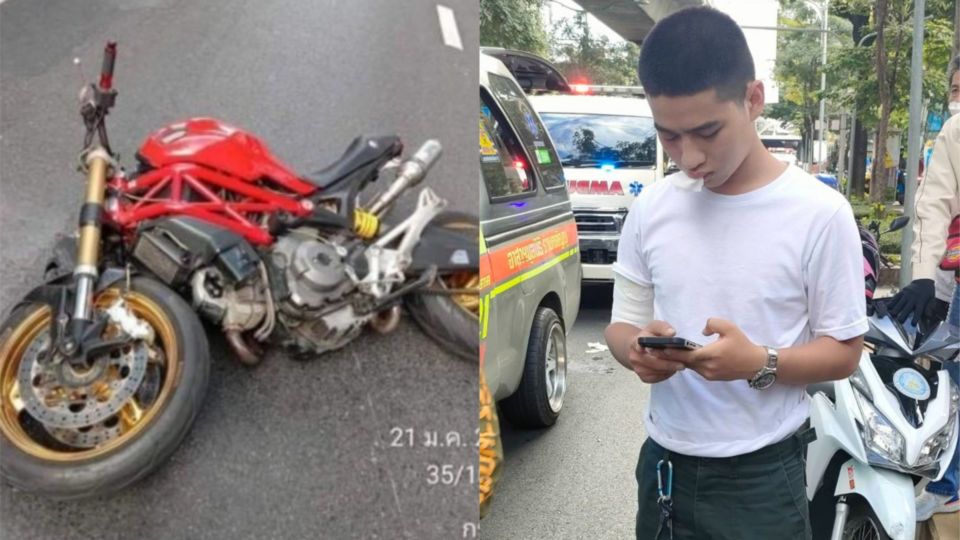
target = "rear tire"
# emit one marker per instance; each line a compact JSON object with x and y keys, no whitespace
{"x":144,"y":450}
{"x":539,"y":398}
{"x":450,"y":324}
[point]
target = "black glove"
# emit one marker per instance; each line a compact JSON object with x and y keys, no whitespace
{"x":913,"y":299}
{"x":936,"y":312}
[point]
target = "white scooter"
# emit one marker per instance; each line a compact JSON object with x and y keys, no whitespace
{"x":881,"y":431}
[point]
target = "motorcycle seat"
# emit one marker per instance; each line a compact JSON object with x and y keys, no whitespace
{"x":825,"y":387}
{"x":362,"y":151}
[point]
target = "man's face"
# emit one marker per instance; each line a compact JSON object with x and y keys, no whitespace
{"x":706,"y":137}
{"x":955,"y":87}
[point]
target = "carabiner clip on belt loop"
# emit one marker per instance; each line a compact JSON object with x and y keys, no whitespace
{"x":664,"y":498}
{"x":661,"y":494}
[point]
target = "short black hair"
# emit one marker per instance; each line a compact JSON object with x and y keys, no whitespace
{"x":693,"y":50}
{"x":954,"y":67}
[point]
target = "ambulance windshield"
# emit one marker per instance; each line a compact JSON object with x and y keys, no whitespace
{"x":600,"y":140}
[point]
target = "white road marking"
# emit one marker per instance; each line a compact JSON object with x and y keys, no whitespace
{"x":448,"y":26}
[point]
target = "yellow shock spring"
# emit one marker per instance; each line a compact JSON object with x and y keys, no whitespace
{"x":365,"y":224}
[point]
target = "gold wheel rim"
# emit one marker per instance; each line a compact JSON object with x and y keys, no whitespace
{"x":133,"y":417}
{"x":470,"y":302}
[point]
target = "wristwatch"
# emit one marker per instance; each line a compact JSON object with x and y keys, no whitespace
{"x":768,"y":374}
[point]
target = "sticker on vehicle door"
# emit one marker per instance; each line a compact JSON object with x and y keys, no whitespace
{"x":487,"y":148}
{"x":543,"y":156}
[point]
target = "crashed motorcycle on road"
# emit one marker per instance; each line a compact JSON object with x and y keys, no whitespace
{"x":104,"y":367}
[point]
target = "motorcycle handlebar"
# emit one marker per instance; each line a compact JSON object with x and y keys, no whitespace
{"x":106,"y":73}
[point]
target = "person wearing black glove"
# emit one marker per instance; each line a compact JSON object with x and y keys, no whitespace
{"x":918,"y":298}
{"x":937,"y":202}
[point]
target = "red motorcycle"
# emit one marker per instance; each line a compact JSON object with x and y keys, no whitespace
{"x":104,"y":367}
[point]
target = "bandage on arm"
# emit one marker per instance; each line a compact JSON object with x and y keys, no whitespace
{"x":632,"y":302}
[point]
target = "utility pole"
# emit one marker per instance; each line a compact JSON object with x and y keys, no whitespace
{"x":823,"y":85}
{"x":841,"y":152}
{"x":913,"y":142}
{"x":853,"y":149}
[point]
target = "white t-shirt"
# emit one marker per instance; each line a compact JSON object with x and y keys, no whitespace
{"x":782,"y":262}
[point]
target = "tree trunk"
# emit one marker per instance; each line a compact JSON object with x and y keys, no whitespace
{"x":858,"y":161}
{"x":878,"y":172}
{"x":858,"y":168}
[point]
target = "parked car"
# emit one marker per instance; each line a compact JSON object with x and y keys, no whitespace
{"x":529,"y":254}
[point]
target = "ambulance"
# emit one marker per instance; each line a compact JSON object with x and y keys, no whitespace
{"x":610,"y":153}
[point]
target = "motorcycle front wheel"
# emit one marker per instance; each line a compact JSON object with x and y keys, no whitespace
{"x":863,"y":524}
{"x":452,"y":320}
{"x":68,"y":440}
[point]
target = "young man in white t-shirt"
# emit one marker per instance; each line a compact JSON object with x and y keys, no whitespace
{"x":755,"y":260}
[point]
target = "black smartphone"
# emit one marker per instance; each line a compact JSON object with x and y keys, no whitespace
{"x":667,"y":343}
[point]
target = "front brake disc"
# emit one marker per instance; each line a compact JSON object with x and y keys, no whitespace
{"x":88,"y":436}
{"x":57,"y":405}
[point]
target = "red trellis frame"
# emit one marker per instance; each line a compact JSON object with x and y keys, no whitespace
{"x":163,"y":192}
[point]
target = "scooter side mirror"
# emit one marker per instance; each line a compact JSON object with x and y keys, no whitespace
{"x":899,"y":223}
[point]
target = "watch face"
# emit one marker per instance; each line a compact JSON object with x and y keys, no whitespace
{"x":765,"y":381}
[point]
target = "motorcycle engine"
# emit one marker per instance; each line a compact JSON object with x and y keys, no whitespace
{"x":315,"y":310}
{"x":314,"y":270}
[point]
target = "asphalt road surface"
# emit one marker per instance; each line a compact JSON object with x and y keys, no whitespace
{"x":576,"y":479}
{"x":288,"y":449}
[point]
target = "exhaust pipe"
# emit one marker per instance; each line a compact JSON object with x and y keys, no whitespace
{"x":411,"y":173}
{"x":247,"y":355}
{"x":386,"y":321}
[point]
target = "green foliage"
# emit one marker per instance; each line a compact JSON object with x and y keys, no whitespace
{"x":583,"y":57}
{"x":851,"y":66}
{"x":864,"y":212}
{"x":852,"y":70}
{"x":518,"y":24}
{"x":798,"y":65}
{"x":879,"y":211}
{"x":513,"y":24}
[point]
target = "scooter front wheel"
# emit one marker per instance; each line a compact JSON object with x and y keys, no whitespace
{"x":863,"y":524}
{"x":105,"y":425}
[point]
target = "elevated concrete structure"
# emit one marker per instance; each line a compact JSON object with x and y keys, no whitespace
{"x":633,"y":19}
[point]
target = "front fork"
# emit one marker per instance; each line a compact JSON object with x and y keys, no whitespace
{"x":840,"y":522}
{"x":88,"y":247}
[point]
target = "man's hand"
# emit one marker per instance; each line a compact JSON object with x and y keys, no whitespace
{"x":730,"y":358}
{"x":646,"y":363}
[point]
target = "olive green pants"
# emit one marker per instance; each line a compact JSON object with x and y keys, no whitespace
{"x":759,"y":495}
